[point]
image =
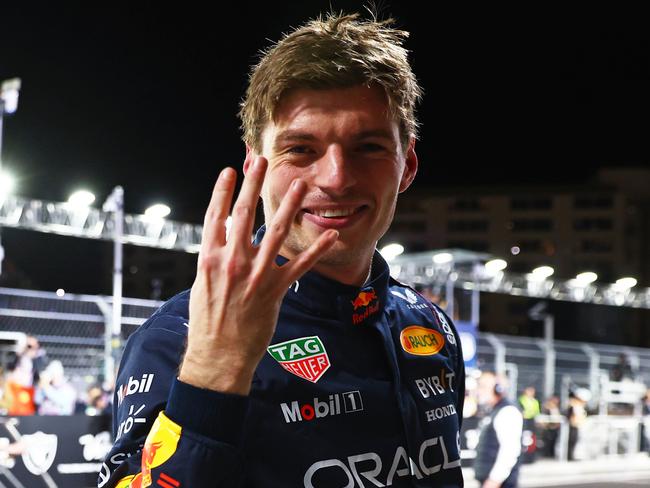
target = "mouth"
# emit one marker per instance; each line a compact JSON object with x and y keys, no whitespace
{"x":334,"y":217}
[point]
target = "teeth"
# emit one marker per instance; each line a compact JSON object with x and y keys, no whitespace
{"x":334,"y":212}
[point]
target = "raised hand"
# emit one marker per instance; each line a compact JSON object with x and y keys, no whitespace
{"x":236,"y":296}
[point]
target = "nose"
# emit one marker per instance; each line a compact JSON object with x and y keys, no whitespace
{"x":334,"y":171}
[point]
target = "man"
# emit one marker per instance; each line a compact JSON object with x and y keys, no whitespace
{"x":305,"y":364}
{"x":25,"y":369}
{"x":529,"y":404}
{"x":551,"y":429}
{"x":497,"y":455}
{"x":55,"y":395}
{"x":576,"y":414}
{"x":30,"y":363}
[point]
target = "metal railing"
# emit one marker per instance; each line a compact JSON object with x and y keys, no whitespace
{"x":580,"y":363}
{"x":75,"y":329}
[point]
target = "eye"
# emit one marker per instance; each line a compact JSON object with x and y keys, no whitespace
{"x":371,"y":147}
{"x":299,"y":150}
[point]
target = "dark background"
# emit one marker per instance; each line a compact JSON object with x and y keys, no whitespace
{"x":146,"y":96}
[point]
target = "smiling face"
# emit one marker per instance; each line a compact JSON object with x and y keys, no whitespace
{"x":344,"y":144}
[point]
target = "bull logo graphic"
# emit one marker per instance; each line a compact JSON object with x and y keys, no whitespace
{"x":364,"y":298}
{"x":150,"y":453}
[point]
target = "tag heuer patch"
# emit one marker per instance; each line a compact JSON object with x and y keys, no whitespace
{"x":305,"y":357}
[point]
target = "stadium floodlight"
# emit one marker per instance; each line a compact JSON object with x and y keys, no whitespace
{"x":585,"y":278}
{"x":81,"y":199}
{"x":493,"y":266}
{"x":7,"y":184}
{"x":78,"y":205}
{"x":157,"y":211}
{"x":625,"y":284}
{"x":580,"y":289}
{"x":443,"y":258}
{"x":541,"y":273}
{"x":391,"y":251}
{"x":9,"y":91}
{"x":537,"y":283}
{"x":8,"y":104}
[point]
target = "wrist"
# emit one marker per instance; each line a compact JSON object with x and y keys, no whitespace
{"x":219,"y":416}
{"x":216,"y":376}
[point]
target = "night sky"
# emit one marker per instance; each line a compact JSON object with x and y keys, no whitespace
{"x":146,"y":97}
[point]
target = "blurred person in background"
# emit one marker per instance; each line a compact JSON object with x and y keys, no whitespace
{"x":29,"y":363}
{"x":97,"y":401}
{"x":529,"y":404}
{"x":551,"y":430}
{"x":622,"y":370}
{"x":25,"y":368}
{"x":18,"y":399}
{"x":576,"y":414}
{"x":55,"y":395}
{"x":499,"y":446}
{"x":645,"y":425}
{"x":530,"y":408}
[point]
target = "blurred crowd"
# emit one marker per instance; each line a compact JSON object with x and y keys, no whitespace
{"x":31,"y":384}
{"x":544,"y":419}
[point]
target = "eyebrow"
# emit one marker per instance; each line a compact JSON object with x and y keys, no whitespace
{"x":293,"y":136}
{"x":288,"y":136}
{"x":380,"y":133}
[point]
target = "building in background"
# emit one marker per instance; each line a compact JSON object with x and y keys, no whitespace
{"x":602,"y":226}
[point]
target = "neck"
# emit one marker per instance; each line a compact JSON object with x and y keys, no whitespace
{"x":356,"y":275}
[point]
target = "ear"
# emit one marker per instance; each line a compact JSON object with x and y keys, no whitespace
{"x":410,"y":166}
{"x":250,"y":157}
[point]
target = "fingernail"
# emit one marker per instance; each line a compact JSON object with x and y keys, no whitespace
{"x":226,"y":174}
{"x":296,"y":185}
{"x":258,"y":162}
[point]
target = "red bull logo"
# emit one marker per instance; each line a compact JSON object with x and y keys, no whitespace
{"x":364,"y":298}
{"x":160,"y":445}
{"x":149,"y":453}
{"x":368,"y":300}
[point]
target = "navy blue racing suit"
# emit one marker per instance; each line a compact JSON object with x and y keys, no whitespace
{"x":360,"y":387}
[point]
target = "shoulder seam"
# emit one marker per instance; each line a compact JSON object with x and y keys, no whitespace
{"x":153,"y":324}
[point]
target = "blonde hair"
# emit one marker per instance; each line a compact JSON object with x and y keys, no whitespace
{"x":337,"y":51}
